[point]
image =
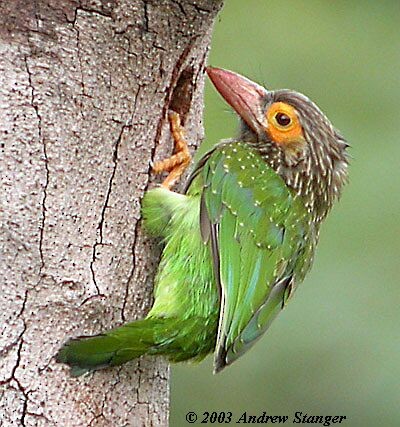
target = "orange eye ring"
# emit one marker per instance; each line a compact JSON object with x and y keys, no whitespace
{"x":283,"y":124}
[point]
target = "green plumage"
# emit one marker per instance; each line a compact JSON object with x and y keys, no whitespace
{"x":235,"y":245}
{"x":240,"y":240}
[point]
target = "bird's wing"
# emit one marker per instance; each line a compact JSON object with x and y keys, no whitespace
{"x":256,"y":228}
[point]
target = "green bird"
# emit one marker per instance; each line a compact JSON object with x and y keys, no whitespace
{"x":240,"y":239}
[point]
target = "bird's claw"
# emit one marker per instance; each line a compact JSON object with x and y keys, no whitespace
{"x":180,"y":160}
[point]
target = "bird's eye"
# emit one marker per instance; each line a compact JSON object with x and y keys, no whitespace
{"x":283,"y":119}
{"x":283,"y":124}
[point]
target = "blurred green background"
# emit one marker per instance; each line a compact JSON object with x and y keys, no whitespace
{"x":336,"y":349}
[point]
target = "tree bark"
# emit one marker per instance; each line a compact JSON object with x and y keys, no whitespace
{"x":85,"y":88}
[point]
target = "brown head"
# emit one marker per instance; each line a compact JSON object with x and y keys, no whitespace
{"x":292,"y":134}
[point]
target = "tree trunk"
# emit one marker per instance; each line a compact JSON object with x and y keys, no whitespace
{"x":85,"y":88}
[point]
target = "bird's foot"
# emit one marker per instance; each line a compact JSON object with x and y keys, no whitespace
{"x":180,"y":160}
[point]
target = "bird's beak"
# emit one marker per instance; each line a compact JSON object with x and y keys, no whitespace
{"x":243,"y":95}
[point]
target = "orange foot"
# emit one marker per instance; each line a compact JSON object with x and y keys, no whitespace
{"x":178,"y":162}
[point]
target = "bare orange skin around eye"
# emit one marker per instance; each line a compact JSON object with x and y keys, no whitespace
{"x":293,"y":133}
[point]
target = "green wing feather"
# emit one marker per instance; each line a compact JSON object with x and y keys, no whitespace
{"x":257,"y":229}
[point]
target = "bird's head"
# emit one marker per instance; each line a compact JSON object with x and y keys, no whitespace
{"x":292,"y":134}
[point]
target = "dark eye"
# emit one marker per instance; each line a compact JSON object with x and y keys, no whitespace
{"x":283,"y":119}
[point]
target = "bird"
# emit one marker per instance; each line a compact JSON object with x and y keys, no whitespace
{"x":239,"y":239}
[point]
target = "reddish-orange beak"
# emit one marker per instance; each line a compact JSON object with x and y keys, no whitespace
{"x":243,"y":95}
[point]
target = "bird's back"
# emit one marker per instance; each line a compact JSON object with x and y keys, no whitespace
{"x":258,"y":225}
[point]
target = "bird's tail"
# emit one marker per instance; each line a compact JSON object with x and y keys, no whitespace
{"x":177,"y":339}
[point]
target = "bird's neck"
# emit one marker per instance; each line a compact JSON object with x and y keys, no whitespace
{"x":318,"y":185}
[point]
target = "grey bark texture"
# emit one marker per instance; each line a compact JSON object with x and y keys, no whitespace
{"x":85,"y":87}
